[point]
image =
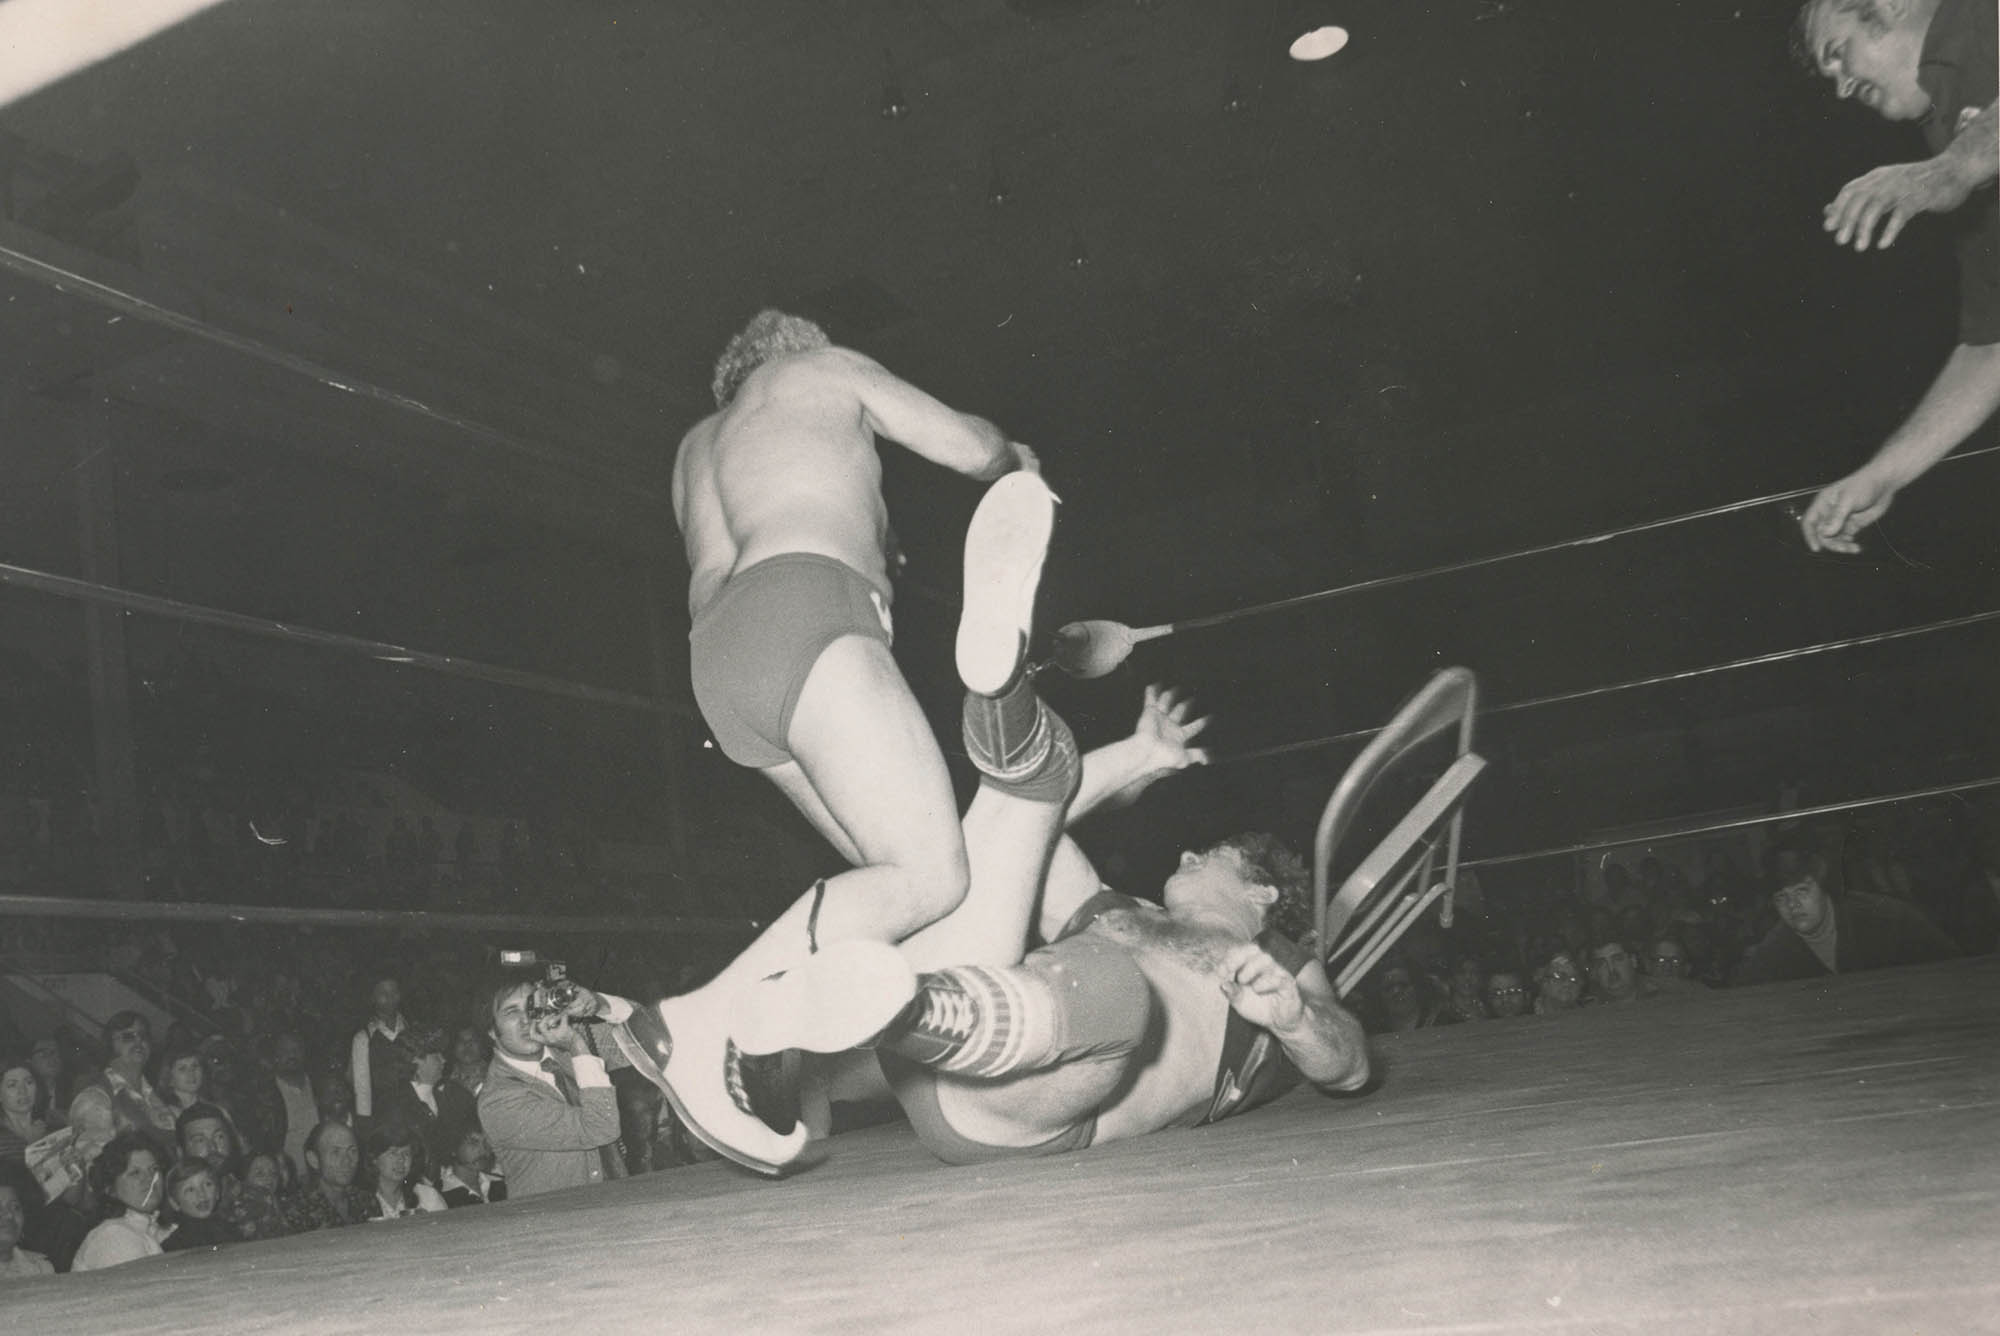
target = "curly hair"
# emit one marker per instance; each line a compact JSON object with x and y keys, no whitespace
{"x":771,"y":333}
{"x":1269,"y":861}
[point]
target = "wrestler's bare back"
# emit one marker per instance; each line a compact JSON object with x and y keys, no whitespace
{"x":790,"y":465}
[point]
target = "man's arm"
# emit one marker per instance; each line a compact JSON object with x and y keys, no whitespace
{"x":1962,"y":397}
{"x":1320,"y":1036}
{"x":924,"y":426}
{"x":1114,"y":775}
{"x":361,"y":1073}
{"x":1893,"y":195}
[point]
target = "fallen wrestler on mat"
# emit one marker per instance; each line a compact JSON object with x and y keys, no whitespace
{"x":1132,"y":1017}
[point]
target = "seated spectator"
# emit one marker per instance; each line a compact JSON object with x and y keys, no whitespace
{"x":286,"y":1059}
{"x":1506,"y":995}
{"x":424,"y":1100}
{"x":130,"y":1189}
{"x":1671,"y":969}
{"x":51,"y":1066}
{"x":20,"y":1094}
{"x":394,"y":1158}
{"x":469,"y":1058}
{"x":203,"y":1133}
{"x":1398,"y":1005}
{"x":1667,"y":959}
{"x":1614,"y":975}
{"x":266,"y":1184}
{"x":1558,"y":985}
{"x":1463,"y":1002}
{"x":336,"y":1099}
{"x":372,"y":1054}
{"x":1820,"y":933}
{"x":330,"y":1197}
{"x":256,"y":1114}
{"x":548,"y":1106}
{"x":183,"y":1077}
{"x":17,"y":1189}
{"x":120,"y":1099}
{"x":468,"y":1178}
{"x":190,"y":1211}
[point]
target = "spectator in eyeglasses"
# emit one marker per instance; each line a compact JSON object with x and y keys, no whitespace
{"x":120,"y":1099}
{"x":1666,"y":958}
{"x":1506,"y":995}
{"x":1670,"y":968}
{"x":1558,"y":985}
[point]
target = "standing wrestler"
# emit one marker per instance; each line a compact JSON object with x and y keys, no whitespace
{"x":778,"y":496}
{"x":1932,"y":61}
{"x":1135,"y":1017}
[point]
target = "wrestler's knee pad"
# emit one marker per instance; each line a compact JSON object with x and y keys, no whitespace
{"x":1038,"y":758}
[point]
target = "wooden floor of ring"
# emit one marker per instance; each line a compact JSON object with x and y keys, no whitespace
{"x":1820,"y":1157}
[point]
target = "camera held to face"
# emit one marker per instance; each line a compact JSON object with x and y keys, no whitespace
{"x":551,"y":997}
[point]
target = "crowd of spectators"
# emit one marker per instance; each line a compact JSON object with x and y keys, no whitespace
{"x":295,"y":1091}
{"x":1903,"y":887}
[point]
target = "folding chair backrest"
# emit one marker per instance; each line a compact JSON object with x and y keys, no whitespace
{"x":1390,"y":888}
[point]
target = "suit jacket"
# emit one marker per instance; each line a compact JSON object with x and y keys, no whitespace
{"x":543,"y":1142}
{"x":456,"y":1111}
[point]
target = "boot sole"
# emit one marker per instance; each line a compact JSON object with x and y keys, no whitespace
{"x":1005,"y":547}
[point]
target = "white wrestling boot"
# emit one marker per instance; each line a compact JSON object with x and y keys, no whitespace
{"x":1005,"y":546}
{"x":839,"y":999}
{"x":697,"y":1048}
{"x":682,"y":1045}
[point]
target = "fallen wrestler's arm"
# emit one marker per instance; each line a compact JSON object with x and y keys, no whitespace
{"x":1114,"y":775}
{"x":1323,"y":1040}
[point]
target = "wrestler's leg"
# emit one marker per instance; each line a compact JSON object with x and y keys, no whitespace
{"x":792,"y":782}
{"x":1081,"y":1012}
{"x":866,"y":750}
{"x":1008,"y":842}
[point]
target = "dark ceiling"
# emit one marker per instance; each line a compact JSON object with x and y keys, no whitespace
{"x":442,"y":280}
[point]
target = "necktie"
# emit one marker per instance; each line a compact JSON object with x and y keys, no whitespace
{"x":573,"y":1094}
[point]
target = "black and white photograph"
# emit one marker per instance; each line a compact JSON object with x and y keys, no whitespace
{"x":1045,"y":666}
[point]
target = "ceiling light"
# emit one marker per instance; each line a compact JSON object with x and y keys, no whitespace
{"x":1319,"y":43}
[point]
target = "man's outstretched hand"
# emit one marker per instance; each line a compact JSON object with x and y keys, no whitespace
{"x":1889,"y":197}
{"x":1843,"y":509}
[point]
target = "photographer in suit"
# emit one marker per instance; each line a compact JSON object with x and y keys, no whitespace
{"x":547,"y":1106}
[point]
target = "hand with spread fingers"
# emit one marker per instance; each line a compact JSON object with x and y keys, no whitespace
{"x":1167,"y":731}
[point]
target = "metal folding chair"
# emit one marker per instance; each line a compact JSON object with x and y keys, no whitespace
{"x":1392,"y":887}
